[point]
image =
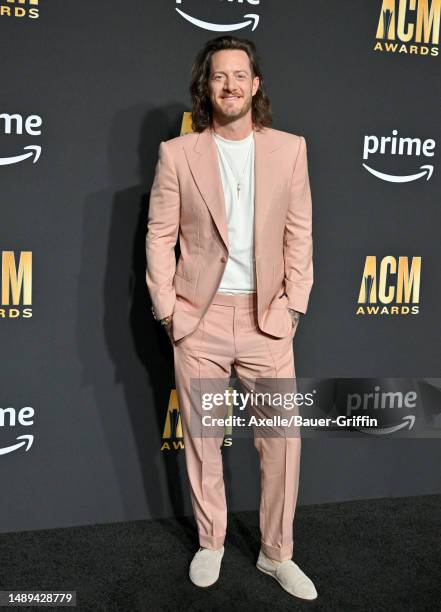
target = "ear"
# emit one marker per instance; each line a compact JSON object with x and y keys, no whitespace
{"x":256,"y":83}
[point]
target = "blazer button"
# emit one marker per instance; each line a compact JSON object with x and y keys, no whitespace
{"x":223,"y":259}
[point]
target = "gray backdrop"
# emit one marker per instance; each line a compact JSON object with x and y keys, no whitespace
{"x":110,"y":81}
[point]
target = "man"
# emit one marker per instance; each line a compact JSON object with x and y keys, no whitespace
{"x":237,"y":194}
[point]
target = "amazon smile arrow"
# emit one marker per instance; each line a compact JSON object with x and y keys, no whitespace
{"x":406,"y":421}
{"x":401,"y":179}
{"x":35,"y":151}
{"x":13,"y":447}
{"x":251,"y":18}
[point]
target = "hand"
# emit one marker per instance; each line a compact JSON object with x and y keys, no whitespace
{"x":295,"y":316}
{"x":166,"y":323}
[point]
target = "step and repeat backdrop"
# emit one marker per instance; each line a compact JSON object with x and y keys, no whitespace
{"x":89,"y":420}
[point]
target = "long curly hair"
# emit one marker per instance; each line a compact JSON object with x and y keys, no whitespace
{"x":202,"y":115}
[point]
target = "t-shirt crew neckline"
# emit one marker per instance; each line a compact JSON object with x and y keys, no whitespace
{"x":234,"y":142}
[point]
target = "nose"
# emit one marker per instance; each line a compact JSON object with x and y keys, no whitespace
{"x":230,"y":83}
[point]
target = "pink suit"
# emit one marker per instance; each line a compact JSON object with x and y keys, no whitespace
{"x":211,"y":331}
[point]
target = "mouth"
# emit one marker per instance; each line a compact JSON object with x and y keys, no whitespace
{"x":231,"y":97}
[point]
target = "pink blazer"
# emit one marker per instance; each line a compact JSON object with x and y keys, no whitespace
{"x":187,"y":200}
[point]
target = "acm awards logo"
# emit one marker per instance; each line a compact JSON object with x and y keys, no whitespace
{"x":11,"y":418}
{"x":16,"y":285}
{"x":409,"y":26}
{"x":403,"y":147}
{"x":172,"y":435}
{"x":230,"y":25}
{"x":19,"y":8}
{"x":390,"y":286}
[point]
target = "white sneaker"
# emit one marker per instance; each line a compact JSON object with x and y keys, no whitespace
{"x":205,"y":567}
{"x":289,"y":575}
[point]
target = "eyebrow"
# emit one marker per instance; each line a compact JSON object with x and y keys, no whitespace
{"x":234,"y":71}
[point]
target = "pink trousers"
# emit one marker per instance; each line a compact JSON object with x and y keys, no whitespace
{"x":228,"y":334}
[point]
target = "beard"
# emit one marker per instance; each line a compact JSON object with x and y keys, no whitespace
{"x":226,"y":116}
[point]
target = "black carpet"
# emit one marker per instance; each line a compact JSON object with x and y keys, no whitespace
{"x":365,"y":555}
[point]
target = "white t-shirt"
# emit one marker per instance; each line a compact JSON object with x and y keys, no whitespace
{"x":236,"y":162}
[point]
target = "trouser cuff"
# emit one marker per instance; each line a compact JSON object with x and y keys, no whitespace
{"x":278,"y":554}
{"x":212,"y":542}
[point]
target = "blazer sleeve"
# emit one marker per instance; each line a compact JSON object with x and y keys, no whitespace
{"x":162,"y":233}
{"x":298,"y":246}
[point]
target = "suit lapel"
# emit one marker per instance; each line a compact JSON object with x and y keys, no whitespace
{"x":204,"y":166}
{"x":266,"y":172}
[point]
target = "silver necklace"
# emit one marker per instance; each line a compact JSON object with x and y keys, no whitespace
{"x":238,"y":180}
